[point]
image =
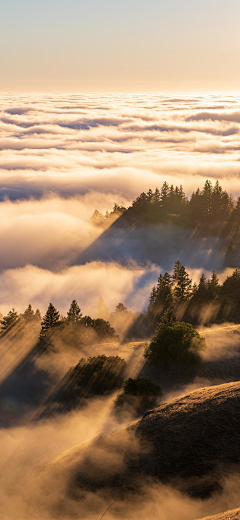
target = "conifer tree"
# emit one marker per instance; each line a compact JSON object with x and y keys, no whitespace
{"x":169,"y":315}
{"x":207,"y":198}
{"x":176,"y":270}
{"x":28,"y":314}
{"x":121,"y":308}
{"x":74,"y":314}
{"x":37,"y":316}
{"x":202,"y":286}
{"x":9,"y":320}
{"x":183,"y":285}
{"x":150,"y":195}
{"x":194,"y":289}
{"x":50,"y":320}
{"x":152,"y":299}
{"x":213,"y":285}
{"x":163,"y":289}
{"x":164,"y":196}
{"x":156,"y":196}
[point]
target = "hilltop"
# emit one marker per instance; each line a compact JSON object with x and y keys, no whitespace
{"x":234,"y":514}
{"x":190,"y":443}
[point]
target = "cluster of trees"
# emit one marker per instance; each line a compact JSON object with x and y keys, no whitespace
{"x":177,"y":291}
{"x":138,"y":395}
{"x":13,"y":318}
{"x":91,"y":377}
{"x":176,"y":344}
{"x":98,"y":219}
{"x":74,"y":328}
{"x":210,"y":207}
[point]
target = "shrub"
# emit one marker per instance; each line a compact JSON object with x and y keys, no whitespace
{"x":175,"y":344}
{"x":91,"y":377}
{"x":138,"y":395}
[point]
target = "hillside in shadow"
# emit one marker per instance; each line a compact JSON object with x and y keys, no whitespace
{"x":128,"y":240}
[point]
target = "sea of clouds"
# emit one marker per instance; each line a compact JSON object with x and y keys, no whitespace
{"x":63,"y":156}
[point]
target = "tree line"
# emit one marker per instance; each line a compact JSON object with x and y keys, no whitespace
{"x":72,"y":326}
{"x":177,"y":292}
{"x":208,"y":206}
{"x":207,"y":301}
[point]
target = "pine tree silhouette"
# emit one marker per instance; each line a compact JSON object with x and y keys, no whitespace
{"x":74,"y":314}
{"x":50,"y":320}
{"x":9,"y":320}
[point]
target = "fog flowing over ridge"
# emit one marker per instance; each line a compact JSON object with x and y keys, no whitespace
{"x":63,"y":156}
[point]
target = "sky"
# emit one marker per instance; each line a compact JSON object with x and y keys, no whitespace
{"x":113,"y":46}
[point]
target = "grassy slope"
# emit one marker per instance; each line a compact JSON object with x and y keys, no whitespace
{"x":190,"y":443}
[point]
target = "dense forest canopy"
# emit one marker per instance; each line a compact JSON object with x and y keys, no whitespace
{"x":210,"y":206}
{"x":205,"y":302}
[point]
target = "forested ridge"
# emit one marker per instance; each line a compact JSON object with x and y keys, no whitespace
{"x":210,"y":210}
{"x":170,"y":203}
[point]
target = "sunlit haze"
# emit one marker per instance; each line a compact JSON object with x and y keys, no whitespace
{"x":119,"y":260}
{"x":75,"y":46}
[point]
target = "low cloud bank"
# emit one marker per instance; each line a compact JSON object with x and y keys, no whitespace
{"x":84,"y":283}
{"x":129,"y":143}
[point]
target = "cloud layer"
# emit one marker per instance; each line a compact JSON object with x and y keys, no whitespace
{"x":117,"y":143}
{"x":63,"y":156}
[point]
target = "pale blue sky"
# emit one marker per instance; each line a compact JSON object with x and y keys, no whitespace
{"x":75,"y":45}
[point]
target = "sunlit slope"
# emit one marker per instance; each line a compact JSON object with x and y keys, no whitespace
{"x":191,"y":443}
{"x":228,"y":515}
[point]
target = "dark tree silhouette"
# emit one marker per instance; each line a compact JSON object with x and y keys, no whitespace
{"x":169,"y":316}
{"x":38,"y":316}
{"x":183,"y":284}
{"x":9,"y":320}
{"x":138,"y":395}
{"x":74,"y":314}
{"x":175,"y":344}
{"x":121,"y":308}
{"x":28,"y":314}
{"x":50,"y":320}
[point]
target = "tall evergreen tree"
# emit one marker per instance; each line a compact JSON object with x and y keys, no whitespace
{"x":152,"y":299}
{"x":164,"y":195}
{"x":169,"y":316}
{"x":74,"y":314}
{"x":150,"y":195}
{"x":202,"y":291}
{"x":9,"y":320}
{"x":183,"y":284}
{"x":207,"y":199}
{"x":37,"y":316}
{"x":156,"y":196}
{"x":28,"y":314}
{"x":50,"y":320}
{"x":213,"y":285}
{"x":176,"y":270}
